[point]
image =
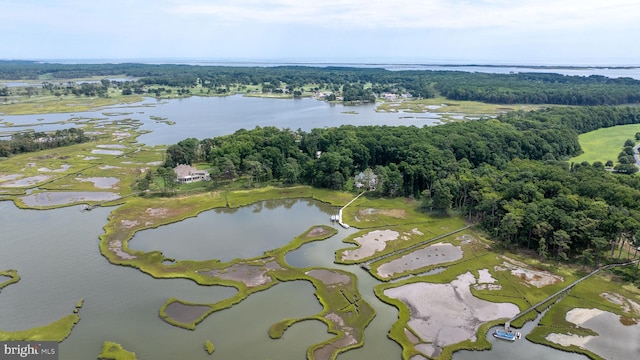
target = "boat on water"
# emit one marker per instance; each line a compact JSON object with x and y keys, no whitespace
{"x":506,"y":335}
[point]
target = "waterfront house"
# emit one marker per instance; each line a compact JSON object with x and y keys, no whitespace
{"x":188,"y":174}
{"x":366,"y":179}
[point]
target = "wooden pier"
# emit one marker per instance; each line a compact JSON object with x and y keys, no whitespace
{"x":566,"y":289}
{"x":346,"y":226}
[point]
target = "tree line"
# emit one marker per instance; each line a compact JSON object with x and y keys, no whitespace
{"x":509,"y":173}
{"x":36,"y":141}
{"x":522,"y":88}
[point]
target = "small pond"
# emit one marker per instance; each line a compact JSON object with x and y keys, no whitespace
{"x":214,"y":234}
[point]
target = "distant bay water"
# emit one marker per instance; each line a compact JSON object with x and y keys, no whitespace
{"x":614,"y":68}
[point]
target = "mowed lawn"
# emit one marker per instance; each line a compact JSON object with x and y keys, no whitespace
{"x":605,"y":144}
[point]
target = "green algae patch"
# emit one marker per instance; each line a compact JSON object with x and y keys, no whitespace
{"x":115,"y":351}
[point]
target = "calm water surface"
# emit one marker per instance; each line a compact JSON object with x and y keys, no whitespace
{"x":207,"y":117}
{"x":227,"y":234}
{"x":56,"y":254}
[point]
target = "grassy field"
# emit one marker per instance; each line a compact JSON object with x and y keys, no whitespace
{"x":605,"y":144}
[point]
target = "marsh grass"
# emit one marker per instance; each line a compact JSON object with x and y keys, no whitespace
{"x":55,"y":331}
{"x":440,"y":104}
{"x":115,"y":351}
{"x":471,"y":251}
{"x":46,"y":104}
{"x":513,"y":290}
{"x":179,"y":208}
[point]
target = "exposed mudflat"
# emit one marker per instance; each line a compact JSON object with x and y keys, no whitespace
{"x":329,"y":277}
{"x":537,"y":278}
{"x":250,"y":274}
{"x":613,"y":333}
{"x":101,"y":182}
{"x":446,"y":314}
{"x":435,"y":254}
{"x":185,"y":313}
{"x":370,"y":243}
{"x":53,"y":198}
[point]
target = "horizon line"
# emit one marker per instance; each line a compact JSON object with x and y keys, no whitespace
{"x":316,"y":62}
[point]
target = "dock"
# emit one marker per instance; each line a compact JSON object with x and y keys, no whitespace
{"x":566,"y":289}
{"x":338,"y":217}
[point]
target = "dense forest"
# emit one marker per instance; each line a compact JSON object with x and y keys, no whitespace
{"x":521,"y":88}
{"x":508,"y":173}
{"x":35,"y":141}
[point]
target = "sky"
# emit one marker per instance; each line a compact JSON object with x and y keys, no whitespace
{"x":521,"y":32}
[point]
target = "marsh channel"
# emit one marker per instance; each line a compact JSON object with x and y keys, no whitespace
{"x":57,"y":256}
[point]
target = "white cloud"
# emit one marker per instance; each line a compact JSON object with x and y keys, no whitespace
{"x":317,"y":28}
{"x":414,"y":14}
